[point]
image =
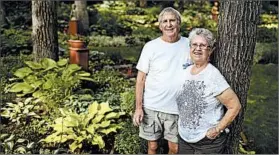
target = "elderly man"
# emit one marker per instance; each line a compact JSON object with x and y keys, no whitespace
{"x":160,"y":67}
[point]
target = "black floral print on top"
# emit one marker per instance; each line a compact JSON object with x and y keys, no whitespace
{"x":191,"y":103}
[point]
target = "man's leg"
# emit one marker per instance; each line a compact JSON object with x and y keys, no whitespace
{"x":152,"y":147}
{"x":171,"y":131}
{"x":173,"y":147}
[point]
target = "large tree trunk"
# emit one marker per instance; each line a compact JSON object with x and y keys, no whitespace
{"x":234,"y":53}
{"x":81,"y":14}
{"x":44,"y":33}
{"x":2,"y":14}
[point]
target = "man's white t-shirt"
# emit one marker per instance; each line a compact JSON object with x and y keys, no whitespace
{"x":199,"y":109}
{"x":163,"y":63}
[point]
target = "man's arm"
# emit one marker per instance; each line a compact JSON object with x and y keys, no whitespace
{"x":138,"y":116}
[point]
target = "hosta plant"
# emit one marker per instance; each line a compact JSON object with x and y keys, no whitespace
{"x":89,"y":127}
{"x":10,"y":144}
{"x":51,"y":82}
{"x":21,"y":111}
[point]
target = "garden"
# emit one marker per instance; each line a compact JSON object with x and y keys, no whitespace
{"x":55,"y":107}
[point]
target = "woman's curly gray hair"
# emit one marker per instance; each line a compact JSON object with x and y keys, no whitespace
{"x":205,"y":33}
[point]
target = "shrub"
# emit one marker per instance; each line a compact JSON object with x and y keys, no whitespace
{"x":127,"y":141}
{"x":266,"y":53}
{"x":51,"y":82}
{"x":265,"y":34}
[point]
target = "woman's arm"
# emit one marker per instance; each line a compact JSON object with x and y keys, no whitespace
{"x":230,"y":100}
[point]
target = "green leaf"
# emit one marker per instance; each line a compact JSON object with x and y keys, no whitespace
{"x":62,"y":62}
{"x":18,"y":87}
{"x":91,"y":129}
{"x":33,"y":65}
{"x":47,"y":84}
{"x":83,"y":73}
{"x":20,"y":140}
{"x":28,"y":100}
{"x":10,"y":145}
{"x":93,"y":108}
{"x":48,"y":64}
{"x":112,"y":128}
{"x":3,"y":136}
{"x":23,"y":72}
{"x":74,"y":146}
{"x":105,"y":124}
{"x":87,"y":79}
{"x":104,"y":108}
{"x":30,"y":145}
{"x":98,"y":118}
{"x":112,"y":115}
{"x":21,"y":150}
{"x":98,"y":140}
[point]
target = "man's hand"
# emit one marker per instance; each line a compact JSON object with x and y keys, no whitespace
{"x":138,"y":116}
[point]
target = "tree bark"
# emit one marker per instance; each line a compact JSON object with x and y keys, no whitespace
{"x":2,"y":14}
{"x":81,"y":14}
{"x":233,"y":56}
{"x":44,"y":33}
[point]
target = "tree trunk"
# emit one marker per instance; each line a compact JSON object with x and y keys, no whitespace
{"x":2,"y":14}
{"x":233,"y":56}
{"x":81,"y":14}
{"x":44,"y":33}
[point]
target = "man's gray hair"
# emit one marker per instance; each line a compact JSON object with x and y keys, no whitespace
{"x":205,"y":33}
{"x":171,"y":10}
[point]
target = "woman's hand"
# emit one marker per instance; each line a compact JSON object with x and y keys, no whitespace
{"x":212,"y":133}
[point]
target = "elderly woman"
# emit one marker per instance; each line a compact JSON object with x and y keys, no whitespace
{"x":200,"y":102}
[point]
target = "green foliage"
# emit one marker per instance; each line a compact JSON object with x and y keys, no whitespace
{"x":109,"y":86}
{"x":128,"y":99}
{"x":76,"y":129}
{"x":51,"y":82}
{"x":15,"y":41}
{"x":21,"y":111}
{"x":128,"y":140}
{"x":267,"y":35}
{"x":261,"y":117}
{"x":11,"y":145}
{"x":266,"y":53}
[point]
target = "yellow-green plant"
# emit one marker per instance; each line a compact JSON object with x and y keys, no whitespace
{"x":89,"y":127}
{"x":51,"y":82}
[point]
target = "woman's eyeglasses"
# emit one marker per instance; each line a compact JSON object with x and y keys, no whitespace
{"x":202,"y":46}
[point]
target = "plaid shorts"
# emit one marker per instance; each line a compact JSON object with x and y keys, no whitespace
{"x":156,"y":123}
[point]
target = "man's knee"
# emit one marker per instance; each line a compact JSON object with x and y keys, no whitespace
{"x":173,"y":148}
{"x":152,"y":145}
